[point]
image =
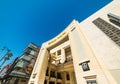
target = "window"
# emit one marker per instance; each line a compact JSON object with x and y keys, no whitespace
{"x":23,"y":80}
{"x":45,"y":82}
{"x":32,"y":52}
{"x":59,"y":75}
{"x":114,"y":19}
{"x":26,"y":57}
{"x":68,"y":54}
{"x":34,"y":75}
{"x":67,"y":76}
{"x":85,"y":65}
{"x":47,"y":71}
{"x":16,"y":81}
{"x":58,"y":83}
{"x":91,"y":82}
{"x":21,"y":63}
{"x":111,"y":31}
{"x":31,"y":83}
{"x":90,"y":79}
{"x":52,"y":74}
{"x":59,"y":52}
{"x":51,"y":82}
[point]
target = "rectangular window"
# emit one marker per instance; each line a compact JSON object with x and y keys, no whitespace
{"x":45,"y":82}
{"x":59,"y":75}
{"x":91,"y":82}
{"x":51,"y":82}
{"x":32,"y":52}
{"x":67,"y":76}
{"x":34,"y":75}
{"x":58,"y":83}
{"x":47,"y":71}
{"x":85,"y":66}
{"x":23,"y":80}
{"x":52,"y":74}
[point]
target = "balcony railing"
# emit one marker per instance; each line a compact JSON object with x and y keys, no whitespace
{"x":68,"y":58}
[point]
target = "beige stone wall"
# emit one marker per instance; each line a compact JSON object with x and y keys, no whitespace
{"x":106,"y":51}
{"x":82,"y":52}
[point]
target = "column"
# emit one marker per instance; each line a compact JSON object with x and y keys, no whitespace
{"x":62,"y":56}
{"x":72,"y":77}
{"x":79,"y":51}
{"x":38,"y":74}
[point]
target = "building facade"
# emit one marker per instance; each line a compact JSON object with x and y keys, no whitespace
{"x":20,"y":70}
{"x":84,"y":53}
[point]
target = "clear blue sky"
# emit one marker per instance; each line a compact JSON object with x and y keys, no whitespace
{"x":25,"y":21}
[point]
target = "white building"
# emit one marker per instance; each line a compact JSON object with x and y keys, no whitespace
{"x":84,"y":53}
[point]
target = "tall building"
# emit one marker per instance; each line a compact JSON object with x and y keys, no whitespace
{"x":84,"y":53}
{"x":20,"y":70}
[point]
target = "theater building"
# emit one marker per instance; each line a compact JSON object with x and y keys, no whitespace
{"x":84,"y":53}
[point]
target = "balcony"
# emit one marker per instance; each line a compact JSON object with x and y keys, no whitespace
{"x":66,"y":66}
{"x":68,"y":58}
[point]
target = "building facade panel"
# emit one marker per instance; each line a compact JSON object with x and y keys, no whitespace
{"x":104,"y":41}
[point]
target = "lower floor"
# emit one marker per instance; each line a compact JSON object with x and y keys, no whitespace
{"x":14,"y":80}
{"x":61,"y":74}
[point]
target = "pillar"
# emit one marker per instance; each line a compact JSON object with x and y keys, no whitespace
{"x":38,"y":74}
